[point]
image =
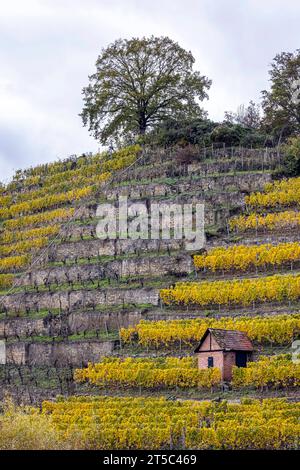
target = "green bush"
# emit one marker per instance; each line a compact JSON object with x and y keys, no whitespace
{"x":291,"y":160}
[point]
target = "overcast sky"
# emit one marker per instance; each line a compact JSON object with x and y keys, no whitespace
{"x":49,"y":47}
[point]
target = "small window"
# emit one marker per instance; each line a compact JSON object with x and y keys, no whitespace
{"x":210,"y":361}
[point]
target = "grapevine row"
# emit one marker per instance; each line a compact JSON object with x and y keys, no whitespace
{"x":285,"y":193}
{"x":13,"y":262}
{"x":72,"y":167}
{"x":23,"y":246}
{"x":233,"y":292}
{"x":56,"y":215}
{"x":272,"y":221}
{"x":243,"y":257}
{"x":62,"y":186}
{"x":279,"y":329}
{"x":148,"y":373}
{"x":6,"y":281}
{"x":282,"y":185}
{"x":9,"y":237}
{"x":45,"y":202}
{"x":278,"y":371}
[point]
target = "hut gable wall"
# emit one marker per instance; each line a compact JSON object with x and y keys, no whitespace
{"x":209,"y":343}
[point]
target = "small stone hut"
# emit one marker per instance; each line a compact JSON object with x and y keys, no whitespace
{"x":224,"y":349}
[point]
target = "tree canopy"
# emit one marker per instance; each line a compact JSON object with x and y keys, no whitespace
{"x":281,"y":104}
{"x":140,"y":83}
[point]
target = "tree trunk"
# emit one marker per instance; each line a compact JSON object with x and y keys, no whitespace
{"x":142,"y":123}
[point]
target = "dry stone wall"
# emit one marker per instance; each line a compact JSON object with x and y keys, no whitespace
{"x":170,"y":168}
{"x":71,"y":323}
{"x":64,"y":354}
{"x":82,"y":298}
{"x":147,"y":266}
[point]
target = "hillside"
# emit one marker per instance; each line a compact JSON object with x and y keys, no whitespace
{"x":140,"y":306}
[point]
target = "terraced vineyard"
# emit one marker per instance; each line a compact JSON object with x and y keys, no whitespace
{"x":121,"y":317}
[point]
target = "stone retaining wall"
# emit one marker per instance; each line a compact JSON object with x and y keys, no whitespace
{"x":60,"y":354}
{"x":68,"y":300}
{"x":147,"y":266}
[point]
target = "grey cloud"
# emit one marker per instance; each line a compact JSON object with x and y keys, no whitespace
{"x":48,"y":49}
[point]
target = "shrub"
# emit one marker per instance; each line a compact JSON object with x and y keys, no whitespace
{"x":291,"y":161}
{"x":25,"y":428}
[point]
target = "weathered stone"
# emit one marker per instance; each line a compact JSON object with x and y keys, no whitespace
{"x":138,"y":266}
{"x":67,"y":300}
{"x":60,"y":354}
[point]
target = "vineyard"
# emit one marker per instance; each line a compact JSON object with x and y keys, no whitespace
{"x":274,"y":371}
{"x":146,"y":423}
{"x":273,"y":221}
{"x":277,"y":371}
{"x":100,"y":333}
{"x":243,"y":258}
{"x":149,"y":373}
{"x":282,"y":193}
{"x":189,"y":425}
{"x":34,"y":207}
{"x":242,"y":292}
{"x":279,"y":329}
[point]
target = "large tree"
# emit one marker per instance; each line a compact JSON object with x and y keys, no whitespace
{"x":281,"y":104}
{"x":139,"y":83}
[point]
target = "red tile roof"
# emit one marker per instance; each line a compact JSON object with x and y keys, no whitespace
{"x":230,"y":340}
